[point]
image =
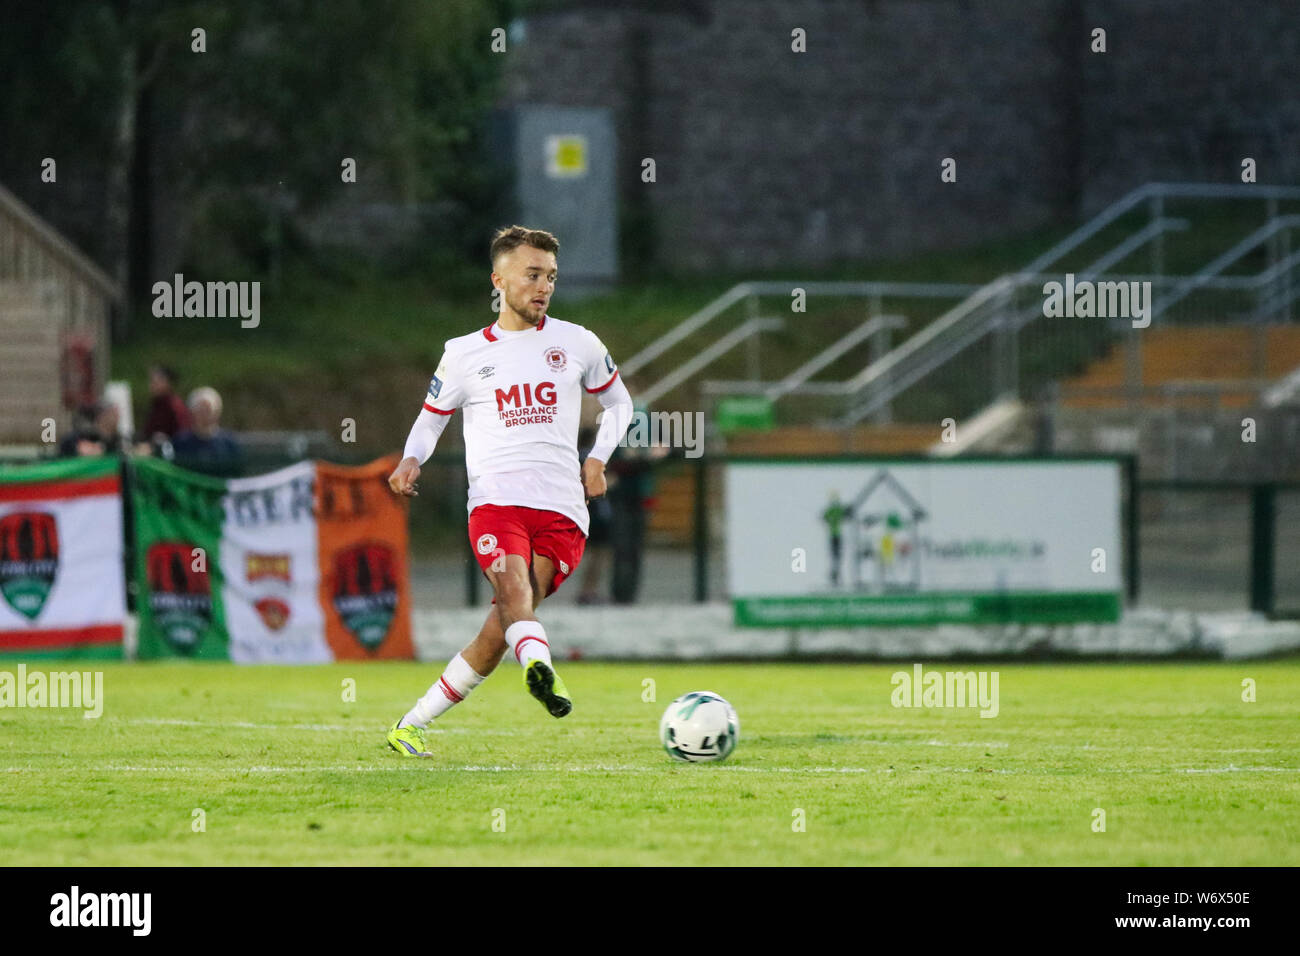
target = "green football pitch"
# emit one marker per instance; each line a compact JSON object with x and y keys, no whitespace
{"x":202,"y":764}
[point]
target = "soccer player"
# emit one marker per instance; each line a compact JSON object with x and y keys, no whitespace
{"x":519,"y":382}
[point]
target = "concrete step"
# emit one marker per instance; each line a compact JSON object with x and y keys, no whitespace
{"x":1189,"y":354}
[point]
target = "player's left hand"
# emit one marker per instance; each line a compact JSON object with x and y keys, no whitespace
{"x":593,"y":478}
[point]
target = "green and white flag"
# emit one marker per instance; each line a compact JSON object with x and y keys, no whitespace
{"x":178,"y":520}
{"x":303,"y":565}
{"x":62,"y":588}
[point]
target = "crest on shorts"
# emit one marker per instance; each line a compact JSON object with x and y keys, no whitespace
{"x":556,"y":358}
{"x":564,"y":566}
{"x":486,"y":543}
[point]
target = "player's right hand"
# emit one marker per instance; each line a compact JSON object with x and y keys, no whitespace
{"x":403,"y":478}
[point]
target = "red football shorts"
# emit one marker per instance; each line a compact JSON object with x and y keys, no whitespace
{"x":498,"y":530}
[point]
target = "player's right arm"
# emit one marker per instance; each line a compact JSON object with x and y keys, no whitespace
{"x":446,"y":394}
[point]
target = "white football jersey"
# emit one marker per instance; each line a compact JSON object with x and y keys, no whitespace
{"x":521,"y":393}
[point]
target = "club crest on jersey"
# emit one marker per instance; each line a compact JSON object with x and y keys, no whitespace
{"x":556,"y":358}
{"x":486,"y":543}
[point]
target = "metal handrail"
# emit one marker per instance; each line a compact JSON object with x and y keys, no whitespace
{"x":823,"y":358}
{"x":1205,"y":277}
{"x":799,"y":376}
{"x":746,"y":290}
{"x":1231,"y":256}
{"x":1157,"y":191}
{"x":995,"y":292}
{"x":978,"y":297}
{"x":714,"y":351}
{"x":686,"y":327}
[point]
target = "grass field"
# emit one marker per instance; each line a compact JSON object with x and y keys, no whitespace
{"x":286,"y":772}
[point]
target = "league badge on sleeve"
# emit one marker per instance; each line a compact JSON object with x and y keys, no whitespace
{"x":609,"y":363}
{"x":435,"y":386}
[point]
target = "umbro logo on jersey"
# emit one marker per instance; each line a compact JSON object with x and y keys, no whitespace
{"x":486,"y":371}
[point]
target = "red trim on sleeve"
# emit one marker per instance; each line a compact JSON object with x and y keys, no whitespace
{"x":595,"y":391}
{"x":439,"y":411}
{"x":487,"y":333}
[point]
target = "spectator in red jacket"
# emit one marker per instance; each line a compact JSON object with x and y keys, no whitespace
{"x":167,"y":412}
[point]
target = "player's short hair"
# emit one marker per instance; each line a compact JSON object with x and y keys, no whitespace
{"x":512,"y":237}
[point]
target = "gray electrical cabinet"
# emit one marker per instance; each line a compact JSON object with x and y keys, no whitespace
{"x":563,"y":173}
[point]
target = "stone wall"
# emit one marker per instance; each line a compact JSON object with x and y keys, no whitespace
{"x":768,"y":158}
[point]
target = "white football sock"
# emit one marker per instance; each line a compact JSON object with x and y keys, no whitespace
{"x":527,"y":639}
{"x":451,"y":688}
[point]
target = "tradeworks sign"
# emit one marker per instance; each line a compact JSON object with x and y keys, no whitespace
{"x":906,"y":542}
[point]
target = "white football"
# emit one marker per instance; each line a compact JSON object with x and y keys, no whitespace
{"x":698,"y":727}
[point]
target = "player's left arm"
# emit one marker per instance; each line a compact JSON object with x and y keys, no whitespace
{"x":600,"y":378}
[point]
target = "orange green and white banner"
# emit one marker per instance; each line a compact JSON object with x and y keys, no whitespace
{"x":303,"y":565}
{"x":62,"y":588}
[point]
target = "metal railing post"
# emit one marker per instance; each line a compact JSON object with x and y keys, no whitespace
{"x":1156,"y":210}
{"x":755,"y":372}
{"x":1003,"y":371}
{"x":1132,"y":367}
{"x":1013,"y":340}
{"x":701,"y":529}
{"x":879,"y":348}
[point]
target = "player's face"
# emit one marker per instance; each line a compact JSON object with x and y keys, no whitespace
{"x":526,"y":277}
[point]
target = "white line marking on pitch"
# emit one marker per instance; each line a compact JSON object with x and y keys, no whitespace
{"x":245,"y":725}
{"x":615,"y":768}
{"x":482,"y":732}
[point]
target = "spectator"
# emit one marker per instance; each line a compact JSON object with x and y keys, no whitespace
{"x":168,"y":415}
{"x":631,"y":486}
{"x":631,"y":481}
{"x":207,"y":447}
{"x":95,"y":432}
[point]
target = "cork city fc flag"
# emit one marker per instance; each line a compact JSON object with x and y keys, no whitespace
{"x":303,"y":565}
{"x":62,"y":587}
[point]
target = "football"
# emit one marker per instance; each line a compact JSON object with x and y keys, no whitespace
{"x":698,"y":727}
